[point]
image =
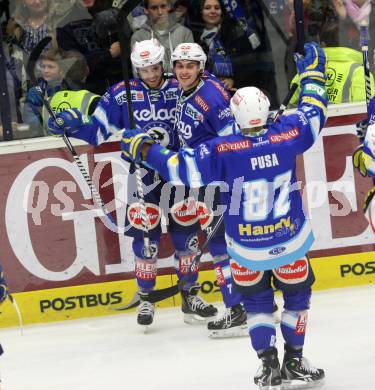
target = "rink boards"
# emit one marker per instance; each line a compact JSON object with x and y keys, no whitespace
{"x":62,"y":262}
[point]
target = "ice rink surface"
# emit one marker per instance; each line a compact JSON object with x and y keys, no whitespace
{"x":112,"y":353}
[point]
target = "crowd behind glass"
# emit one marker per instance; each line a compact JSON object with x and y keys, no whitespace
{"x":84,"y":52}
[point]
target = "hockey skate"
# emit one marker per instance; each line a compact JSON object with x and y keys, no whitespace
{"x":195,"y":309}
{"x":146,"y":310}
{"x":268,"y":376}
{"x":298,"y":373}
{"x":231,"y":324}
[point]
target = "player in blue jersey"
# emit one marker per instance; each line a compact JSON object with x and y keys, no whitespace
{"x":203,"y":113}
{"x":154,"y":104}
{"x":267,"y":233}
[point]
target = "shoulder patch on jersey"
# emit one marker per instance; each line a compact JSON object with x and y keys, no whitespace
{"x":233,"y":146}
{"x":284,"y":136}
{"x":201,"y":103}
{"x":226,"y":113}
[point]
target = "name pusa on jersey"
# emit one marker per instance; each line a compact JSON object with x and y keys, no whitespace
{"x":262,"y":162}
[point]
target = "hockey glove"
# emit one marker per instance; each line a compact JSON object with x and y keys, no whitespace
{"x":361,"y":160}
{"x":3,"y":287}
{"x":311,"y":67}
{"x":132,"y":142}
{"x":72,"y":123}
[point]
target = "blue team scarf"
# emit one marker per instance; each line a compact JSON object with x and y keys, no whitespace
{"x":237,"y":13}
{"x":218,"y":58}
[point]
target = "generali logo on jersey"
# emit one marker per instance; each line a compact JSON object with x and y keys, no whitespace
{"x":202,"y":103}
{"x":286,"y":136}
{"x":231,"y":146}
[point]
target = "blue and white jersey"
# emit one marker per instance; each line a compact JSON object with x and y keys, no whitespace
{"x":265,"y":223}
{"x":154,"y":111}
{"x":204,"y":113}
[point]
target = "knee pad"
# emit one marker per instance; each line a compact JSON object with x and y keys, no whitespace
{"x":297,"y":300}
{"x":260,"y":302}
{"x":185,"y":241}
{"x":139,"y":250}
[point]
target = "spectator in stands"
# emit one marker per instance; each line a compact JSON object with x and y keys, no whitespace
{"x":238,"y":53}
{"x":61,"y":71}
{"x":33,"y":20}
{"x":344,"y":70}
{"x":216,"y":24}
{"x":102,"y":55}
{"x":49,"y":83}
{"x":162,"y":24}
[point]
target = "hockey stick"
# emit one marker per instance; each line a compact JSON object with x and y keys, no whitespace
{"x":125,"y":33}
{"x":30,"y":68}
{"x":159,"y":295}
{"x":366,"y":69}
{"x":18,"y":311}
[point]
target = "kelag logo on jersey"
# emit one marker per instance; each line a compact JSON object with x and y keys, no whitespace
{"x":193,"y":113}
{"x":161,"y":114}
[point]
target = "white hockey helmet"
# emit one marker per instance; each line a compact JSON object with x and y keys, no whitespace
{"x":250,"y":107}
{"x":147,"y":53}
{"x":189,"y":51}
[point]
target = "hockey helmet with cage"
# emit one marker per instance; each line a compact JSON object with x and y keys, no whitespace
{"x":146,"y":53}
{"x":250,"y":107}
{"x":191,"y":52}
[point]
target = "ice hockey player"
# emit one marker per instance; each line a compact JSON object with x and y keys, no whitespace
{"x":203,"y":113}
{"x":154,"y":104}
{"x":266,"y":230}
